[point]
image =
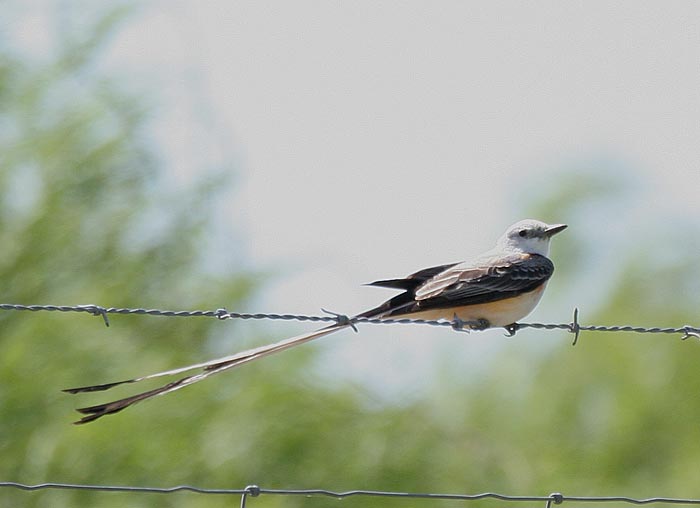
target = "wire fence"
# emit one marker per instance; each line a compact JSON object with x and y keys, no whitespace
{"x":574,"y":327}
{"x":253,"y":491}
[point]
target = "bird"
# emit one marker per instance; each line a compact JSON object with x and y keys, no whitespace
{"x":494,"y":289}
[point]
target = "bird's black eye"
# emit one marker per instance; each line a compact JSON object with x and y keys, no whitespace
{"x":522,"y":233}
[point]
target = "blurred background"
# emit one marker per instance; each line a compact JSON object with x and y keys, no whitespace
{"x":272,"y":157}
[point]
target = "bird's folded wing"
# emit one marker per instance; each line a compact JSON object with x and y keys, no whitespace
{"x":501,"y":278}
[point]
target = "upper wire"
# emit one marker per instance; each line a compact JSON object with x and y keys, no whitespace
{"x":574,"y":327}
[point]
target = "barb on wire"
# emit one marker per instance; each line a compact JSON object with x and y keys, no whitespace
{"x":554,"y":497}
{"x":250,"y":490}
{"x":255,"y":491}
{"x":457,"y":324}
{"x":342,"y":319}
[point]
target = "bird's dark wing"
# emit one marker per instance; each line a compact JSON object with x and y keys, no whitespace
{"x":461,"y":285}
{"x":506,"y":278}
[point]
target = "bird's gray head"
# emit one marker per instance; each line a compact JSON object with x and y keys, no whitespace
{"x":530,"y":236}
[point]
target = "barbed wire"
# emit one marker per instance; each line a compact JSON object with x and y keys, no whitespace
{"x":457,"y":324}
{"x":256,"y":491}
{"x":574,"y":327}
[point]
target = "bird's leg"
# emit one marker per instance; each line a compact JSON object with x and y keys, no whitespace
{"x":480,"y":324}
{"x":460,"y":325}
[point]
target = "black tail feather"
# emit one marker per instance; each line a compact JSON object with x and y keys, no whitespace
{"x":109,"y":408}
{"x":98,"y":388}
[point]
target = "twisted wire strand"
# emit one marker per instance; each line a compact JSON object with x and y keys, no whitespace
{"x":253,"y":491}
{"x":457,"y":324}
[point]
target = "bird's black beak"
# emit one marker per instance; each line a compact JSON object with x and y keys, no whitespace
{"x":554,"y":229}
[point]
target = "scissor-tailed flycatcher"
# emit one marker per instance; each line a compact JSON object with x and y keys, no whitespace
{"x":491,"y":290}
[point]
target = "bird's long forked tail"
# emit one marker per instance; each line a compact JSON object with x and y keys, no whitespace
{"x":208,"y":369}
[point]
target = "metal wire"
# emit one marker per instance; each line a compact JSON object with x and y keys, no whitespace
{"x":573,"y":327}
{"x":255,"y":491}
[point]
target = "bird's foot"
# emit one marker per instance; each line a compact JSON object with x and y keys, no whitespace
{"x":511,"y":329}
{"x":480,"y":324}
{"x":466,"y":326}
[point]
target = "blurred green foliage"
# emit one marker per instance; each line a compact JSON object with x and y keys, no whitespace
{"x":83,"y":219}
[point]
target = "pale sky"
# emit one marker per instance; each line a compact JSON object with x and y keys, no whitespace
{"x":372,"y":139}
